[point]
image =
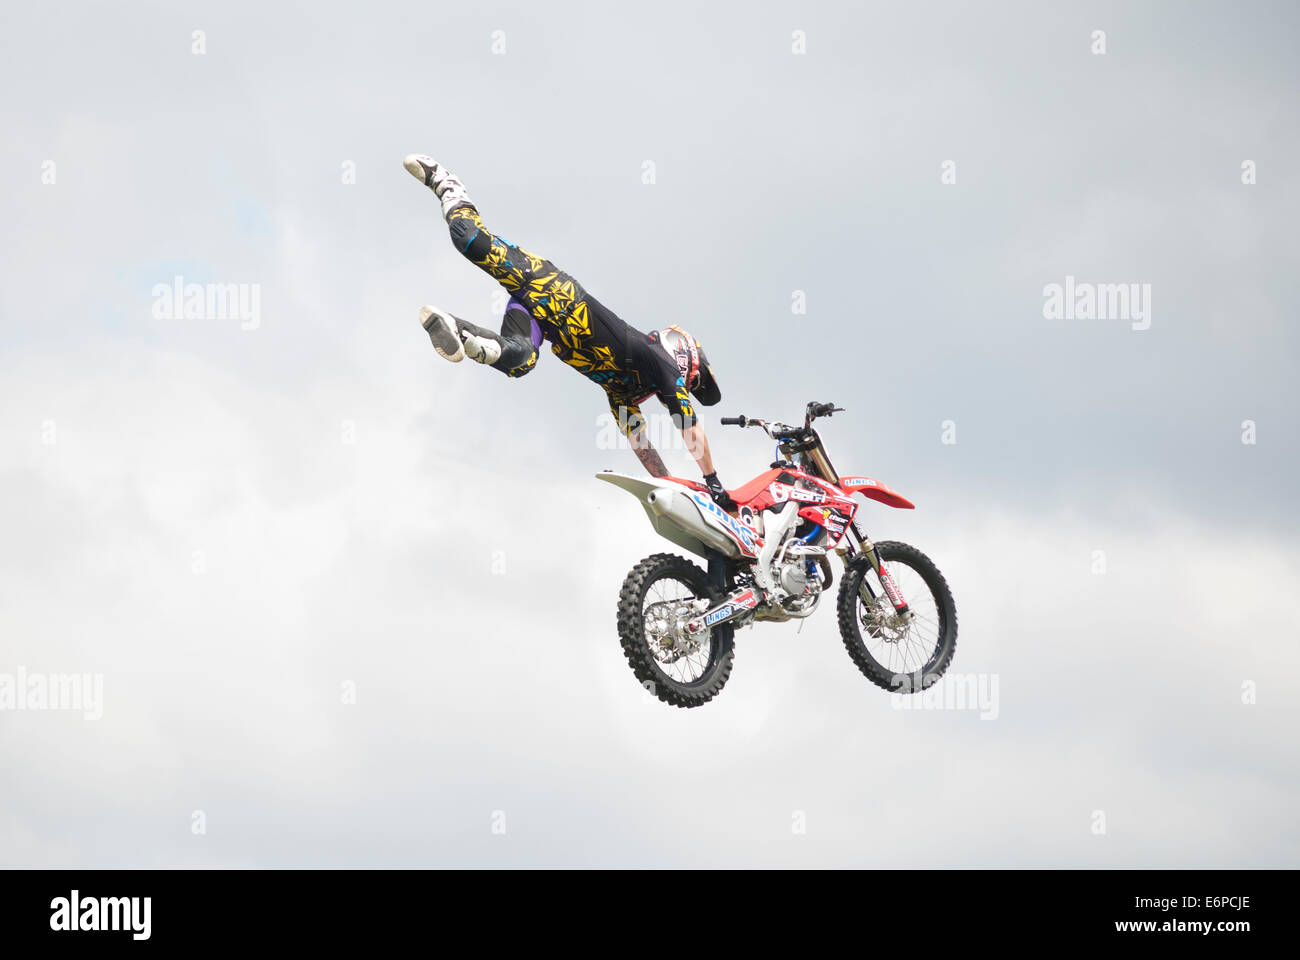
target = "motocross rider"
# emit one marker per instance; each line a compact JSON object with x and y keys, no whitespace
{"x":548,"y":304}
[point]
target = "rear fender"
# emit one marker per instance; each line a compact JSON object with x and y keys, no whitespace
{"x":687,"y":517}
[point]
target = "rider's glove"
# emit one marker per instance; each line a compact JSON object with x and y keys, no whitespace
{"x":719,"y":493}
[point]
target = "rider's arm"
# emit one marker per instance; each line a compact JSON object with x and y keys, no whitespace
{"x":698,"y":445}
{"x":646,"y":453}
{"x":633,"y":423}
{"x":678,"y":403}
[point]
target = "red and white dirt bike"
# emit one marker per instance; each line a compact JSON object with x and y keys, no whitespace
{"x":772,"y":562}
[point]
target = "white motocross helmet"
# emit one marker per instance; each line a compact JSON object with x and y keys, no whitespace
{"x":692,"y":363}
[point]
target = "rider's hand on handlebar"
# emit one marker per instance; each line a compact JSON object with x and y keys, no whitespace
{"x":719,"y":493}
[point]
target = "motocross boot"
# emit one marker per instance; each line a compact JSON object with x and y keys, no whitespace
{"x":445,"y":185}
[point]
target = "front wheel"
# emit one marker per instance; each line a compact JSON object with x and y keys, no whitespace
{"x":659,"y":596}
{"x":901,"y":652}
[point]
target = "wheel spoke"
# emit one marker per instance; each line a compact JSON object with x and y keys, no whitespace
{"x":668,"y":604}
{"x":900,"y":644}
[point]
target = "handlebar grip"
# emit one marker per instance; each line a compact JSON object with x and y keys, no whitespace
{"x":822,"y":409}
{"x":734,"y":421}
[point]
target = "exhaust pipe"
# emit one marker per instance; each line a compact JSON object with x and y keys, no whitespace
{"x":677,"y":508}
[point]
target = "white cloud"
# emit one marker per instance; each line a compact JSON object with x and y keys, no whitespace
{"x":328,"y":563}
{"x":184,"y":443}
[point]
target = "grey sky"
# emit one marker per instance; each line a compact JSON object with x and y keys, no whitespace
{"x":370,"y":562}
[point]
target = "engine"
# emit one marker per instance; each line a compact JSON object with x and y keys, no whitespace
{"x":798,"y":581}
{"x":798,"y":576}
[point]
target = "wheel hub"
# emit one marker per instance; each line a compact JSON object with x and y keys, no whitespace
{"x":891,"y":628}
{"x":665,"y":628}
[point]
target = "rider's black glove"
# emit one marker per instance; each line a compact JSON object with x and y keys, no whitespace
{"x":719,"y":493}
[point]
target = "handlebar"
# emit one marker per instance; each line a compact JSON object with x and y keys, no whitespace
{"x":794,"y":437}
{"x":777,"y":431}
{"x":816,"y":410}
{"x":781,"y":431}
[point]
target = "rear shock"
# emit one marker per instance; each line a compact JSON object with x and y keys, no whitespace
{"x":717,"y":571}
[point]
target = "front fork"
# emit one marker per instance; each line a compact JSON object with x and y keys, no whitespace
{"x":860,"y":545}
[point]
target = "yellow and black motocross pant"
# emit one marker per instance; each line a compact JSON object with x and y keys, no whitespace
{"x":548,"y":304}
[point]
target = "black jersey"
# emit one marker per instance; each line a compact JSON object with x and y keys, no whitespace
{"x":583,"y":332}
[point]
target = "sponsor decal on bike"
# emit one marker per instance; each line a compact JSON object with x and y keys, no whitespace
{"x":747,"y":600}
{"x":891,"y":589}
{"x":834,"y":525}
{"x":781,"y":492}
{"x":719,"y":614}
{"x":738,"y":530}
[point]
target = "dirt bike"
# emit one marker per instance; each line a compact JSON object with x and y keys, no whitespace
{"x":770,"y":561}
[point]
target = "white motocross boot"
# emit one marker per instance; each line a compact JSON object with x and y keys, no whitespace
{"x":442,"y":330}
{"x":445,"y":184}
{"x":481,"y":349}
{"x":454,"y":340}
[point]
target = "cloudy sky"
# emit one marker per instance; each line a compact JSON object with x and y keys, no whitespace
{"x":242,"y":527}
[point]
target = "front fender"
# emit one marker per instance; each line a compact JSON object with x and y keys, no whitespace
{"x":876,"y":491}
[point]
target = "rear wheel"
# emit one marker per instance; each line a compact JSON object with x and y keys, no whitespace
{"x":659,"y":596}
{"x":907,"y":652}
